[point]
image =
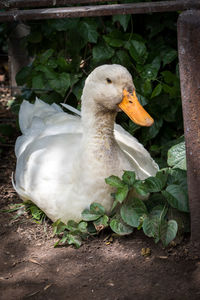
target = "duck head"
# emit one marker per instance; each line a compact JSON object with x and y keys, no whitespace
{"x":110,"y":88}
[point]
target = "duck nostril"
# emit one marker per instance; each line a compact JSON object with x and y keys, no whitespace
{"x":130,"y":101}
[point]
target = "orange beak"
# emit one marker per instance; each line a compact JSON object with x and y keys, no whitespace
{"x":132,"y":107}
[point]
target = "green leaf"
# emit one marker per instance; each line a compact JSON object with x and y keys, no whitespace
{"x":114,"y":39}
{"x":150,"y":71}
{"x":22,"y":75}
{"x":129,"y":177}
{"x":82,"y":227}
{"x":114,"y":181}
{"x":157,"y":90}
{"x":43,"y":58}
{"x":72,"y":225}
{"x":168,"y":232}
{"x":140,"y":188}
{"x":37,"y":82}
{"x":102,"y":53}
{"x":153,"y":184}
{"x":121,"y":193}
{"x":101,"y":223}
{"x":122,"y":58}
{"x":137,"y":50}
{"x":96,"y":210}
{"x":176,"y":197}
{"x":73,"y":240}
{"x":61,"y":83}
{"x":118,"y":226}
{"x":122,"y":19}
{"x":58,"y":227}
{"x":177,"y":156}
{"x":168,"y":55}
{"x":89,"y":31}
{"x":132,"y":211}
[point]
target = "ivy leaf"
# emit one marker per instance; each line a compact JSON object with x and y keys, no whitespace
{"x":101,"y":223}
{"x":153,"y":184}
{"x":121,"y":193}
{"x":157,"y":90}
{"x":176,"y":197}
{"x":102,"y":53}
{"x":38,"y":82}
{"x":118,"y":226}
{"x":23,"y":74}
{"x":72,"y":240}
{"x":89,"y":31}
{"x":137,"y":50}
{"x":60,"y":83}
{"x":132,"y":211}
{"x":168,"y":55}
{"x":129,"y":177}
{"x":150,"y":71}
{"x":122,"y":19}
{"x":177,"y":156}
{"x":58,"y":227}
{"x":95,"y":212}
{"x":168,"y":232}
{"x":114,"y":181}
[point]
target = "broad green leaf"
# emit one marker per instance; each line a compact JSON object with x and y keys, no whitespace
{"x":169,"y":77}
{"x":89,"y":31}
{"x":122,"y":58}
{"x":97,"y":208}
{"x":121,"y":193}
{"x":72,"y":225}
{"x":157,"y":90}
{"x":151,"y":226}
{"x":153,"y":184}
{"x":114,"y":39}
{"x":150,"y":71}
{"x":168,"y":232}
{"x":146,"y":88}
{"x":102,"y":222}
{"x":38,"y":82}
{"x":137,"y":50}
{"x":168,"y":55}
{"x":140,"y":188}
{"x":102,"y":53}
{"x":114,"y":181}
{"x":82,"y":227}
{"x":129,"y":177}
{"x":73,"y":240}
{"x":132,"y":211}
{"x":177,"y":156}
{"x":61,"y":83}
{"x":22,"y":75}
{"x":122,"y":19}
{"x":176,"y":197}
{"x":87,"y":215}
{"x":58,"y":227}
{"x":177,"y":176}
{"x":119,"y":227}
{"x":45,"y":56}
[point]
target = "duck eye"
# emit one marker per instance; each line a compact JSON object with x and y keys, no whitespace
{"x":108,"y":80}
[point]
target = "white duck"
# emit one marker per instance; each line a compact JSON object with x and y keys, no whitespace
{"x":63,"y":160}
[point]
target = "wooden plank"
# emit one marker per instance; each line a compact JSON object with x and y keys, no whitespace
{"x":100,"y":10}
{"x":44,"y":3}
{"x":189,"y":59}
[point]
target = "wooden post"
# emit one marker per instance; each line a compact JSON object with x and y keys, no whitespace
{"x":189,"y":58}
{"x":17,"y":54}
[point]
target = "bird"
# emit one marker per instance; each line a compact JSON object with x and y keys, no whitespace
{"x":63,"y":159}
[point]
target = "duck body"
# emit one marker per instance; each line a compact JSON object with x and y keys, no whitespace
{"x":63,"y":160}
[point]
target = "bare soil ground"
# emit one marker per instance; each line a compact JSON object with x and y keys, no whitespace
{"x":31,"y":268}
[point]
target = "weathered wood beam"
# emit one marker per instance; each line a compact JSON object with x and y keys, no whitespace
{"x":44,"y":3}
{"x":189,"y":62}
{"x":99,"y":10}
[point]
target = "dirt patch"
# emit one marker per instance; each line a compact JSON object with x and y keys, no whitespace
{"x":31,"y":268}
